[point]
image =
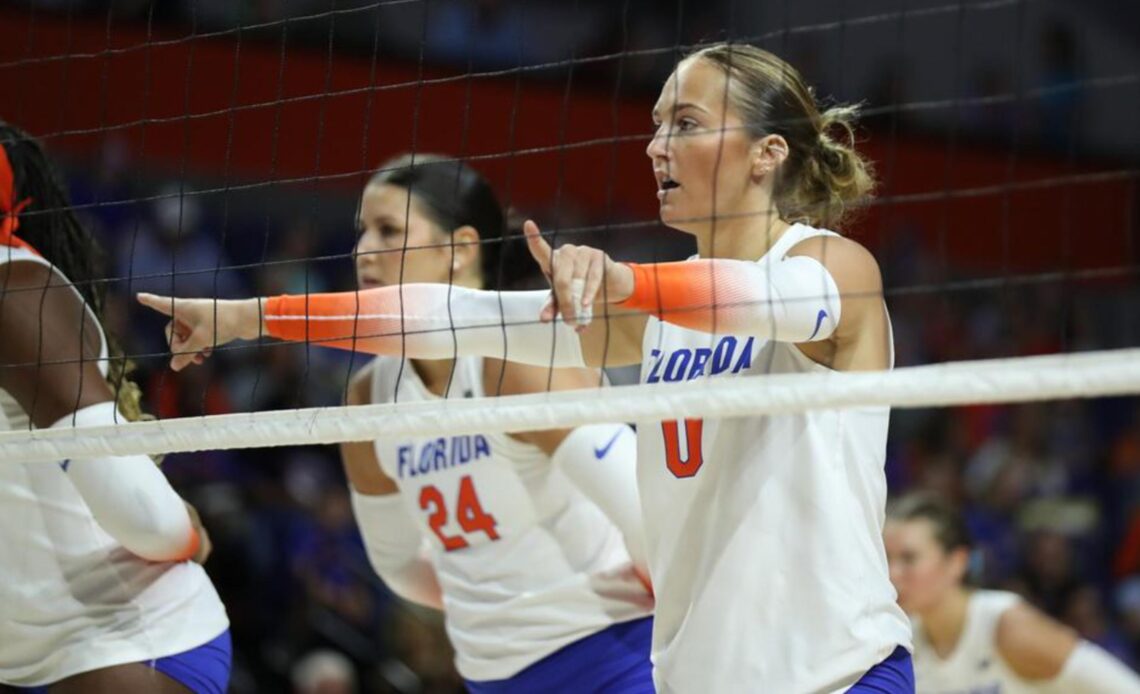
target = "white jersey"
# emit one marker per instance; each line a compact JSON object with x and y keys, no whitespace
{"x":526,"y":562}
{"x":974,"y":667}
{"x":72,"y":599}
{"x":764,"y":533}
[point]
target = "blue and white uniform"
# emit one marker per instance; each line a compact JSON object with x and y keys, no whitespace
{"x":764,"y":533}
{"x":974,"y":666}
{"x":527,"y":564}
{"x":72,"y":599}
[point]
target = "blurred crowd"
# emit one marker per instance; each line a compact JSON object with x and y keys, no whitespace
{"x":1049,"y":489}
{"x":914,"y":72}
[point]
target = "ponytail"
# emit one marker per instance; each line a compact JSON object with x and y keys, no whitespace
{"x":835,"y":177}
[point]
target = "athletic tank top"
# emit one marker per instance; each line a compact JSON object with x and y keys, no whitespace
{"x":526,"y":562}
{"x":974,"y":667}
{"x":764,"y":533}
{"x":72,"y":599}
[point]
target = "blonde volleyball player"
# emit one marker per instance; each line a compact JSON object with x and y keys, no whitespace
{"x":98,"y":592}
{"x":981,"y":641}
{"x":764,"y":535}
{"x":525,"y":542}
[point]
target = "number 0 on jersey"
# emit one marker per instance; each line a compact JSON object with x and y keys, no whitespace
{"x":691,"y":462}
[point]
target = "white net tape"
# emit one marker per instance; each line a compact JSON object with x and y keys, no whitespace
{"x":1089,"y":374}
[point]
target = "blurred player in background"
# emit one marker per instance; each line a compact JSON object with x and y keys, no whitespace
{"x":968,"y":640}
{"x":536,"y":582}
{"x":99,"y":589}
{"x":764,"y":535}
{"x":524,"y":541}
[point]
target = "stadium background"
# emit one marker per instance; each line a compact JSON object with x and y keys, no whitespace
{"x":212,"y":146}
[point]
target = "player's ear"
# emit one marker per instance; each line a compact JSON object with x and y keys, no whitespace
{"x":768,"y":153}
{"x":465,"y":249}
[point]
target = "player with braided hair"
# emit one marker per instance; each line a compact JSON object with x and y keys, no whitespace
{"x":100,"y":584}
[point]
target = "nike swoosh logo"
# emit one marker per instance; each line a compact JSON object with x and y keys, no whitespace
{"x":600,"y":453}
{"x":818,"y":322}
{"x":65,"y":464}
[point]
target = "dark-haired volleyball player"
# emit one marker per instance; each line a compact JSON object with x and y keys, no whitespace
{"x":982,"y":641}
{"x":99,"y":585}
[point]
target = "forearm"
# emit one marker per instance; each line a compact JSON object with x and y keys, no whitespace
{"x":394,"y":547}
{"x":792,"y":300}
{"x":601,"y":460}
{"x":130,"y":498}
{"x":426,"y":321}
{"x":1089,"y":669}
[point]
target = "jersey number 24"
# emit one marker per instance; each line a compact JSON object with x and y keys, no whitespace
{"x":691,"y":462}
{"x":468,"y":511}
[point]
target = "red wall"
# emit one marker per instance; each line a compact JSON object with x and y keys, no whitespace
{"x":214,"y":105}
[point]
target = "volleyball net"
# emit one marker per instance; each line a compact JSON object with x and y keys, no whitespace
{"x":1006,"y":209}
{"x":997,"y":381}
{"x":221,"y":151}
{"x":1001,"y":196}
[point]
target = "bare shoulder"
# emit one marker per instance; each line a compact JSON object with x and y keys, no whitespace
{"x":360,"y":387}
{"x":51,"y":342}
{"x":24,"y":277}
{"x":361,"y":464}
{"x":508,"y":378}
{"x":1034,"y":645}
{"x":23,"y":291}
{"x":849,"y":262}
{"x":40,"y":304}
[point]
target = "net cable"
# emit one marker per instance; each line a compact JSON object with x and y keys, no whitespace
{"x":991,"y":381}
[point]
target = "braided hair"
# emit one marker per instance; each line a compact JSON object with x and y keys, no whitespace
{"x":50,"y":225}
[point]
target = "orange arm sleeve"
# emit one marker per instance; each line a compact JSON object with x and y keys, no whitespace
{"x":791,"y":300}
{"x":427,"y":321}
{"x":365,"y":321}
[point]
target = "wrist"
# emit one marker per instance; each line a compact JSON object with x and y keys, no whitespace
{"x":625,"y":284}
{"x":251,"y":318}
{"x":634,"y":287}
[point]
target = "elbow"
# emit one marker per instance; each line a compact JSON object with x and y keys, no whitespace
{"x":155,"y":534}
{"x":419,"y":595}
{"x":413,"y":580}
{"x":162,"y":546}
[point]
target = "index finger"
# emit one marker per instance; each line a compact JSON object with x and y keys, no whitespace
{"x":162,"y":304}
{"x":538,"y":246}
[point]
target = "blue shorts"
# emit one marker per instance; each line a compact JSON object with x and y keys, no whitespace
{"x":895,"y":675}
{"x":616,"y":659}
{"x":202,"y":670}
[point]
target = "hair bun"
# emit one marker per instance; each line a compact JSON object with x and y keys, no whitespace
{"x":827,"y":150}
